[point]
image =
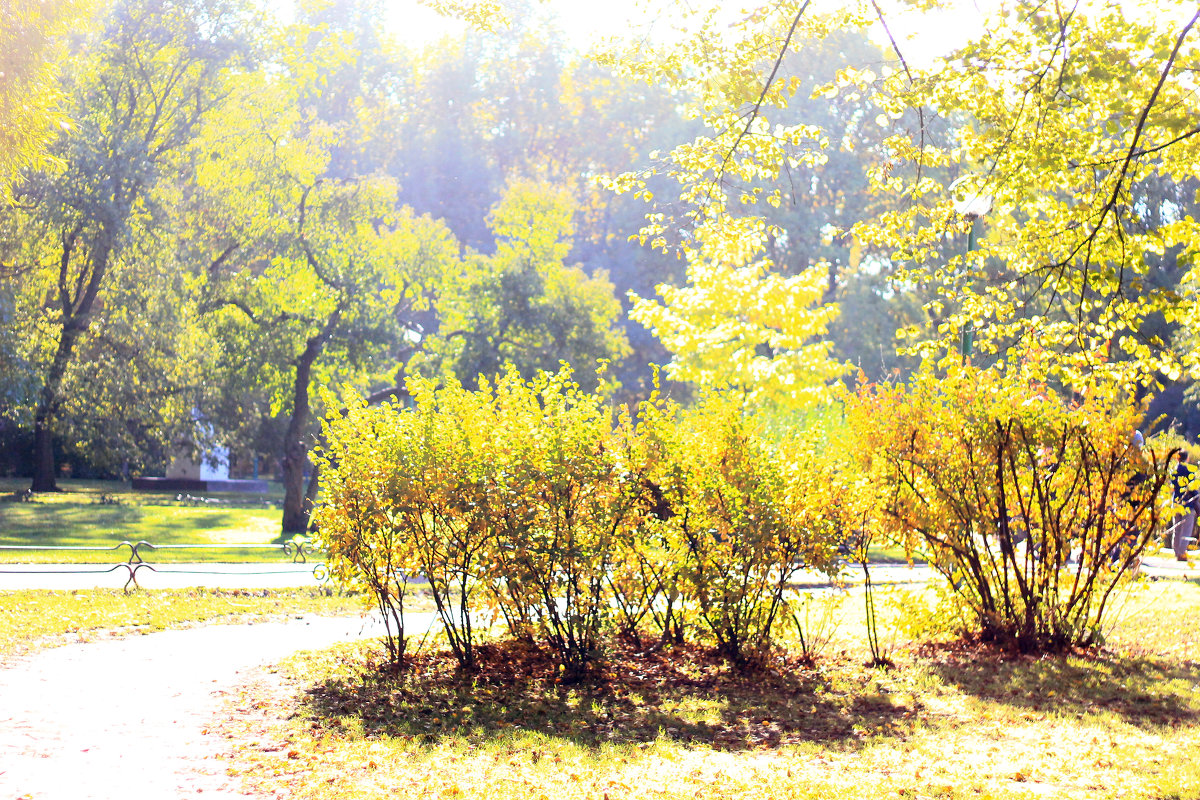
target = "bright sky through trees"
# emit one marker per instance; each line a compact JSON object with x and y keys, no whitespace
{"x":928,"y":33}
{"x":415,"y":23}
{"x":923,"y":34}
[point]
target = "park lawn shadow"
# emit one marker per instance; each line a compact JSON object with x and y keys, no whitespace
{"x":1144,"y":691}
{"x":194,"y":522}
{"x":89,"y":523}
{"x":227,"y":534}
{"x":685,"y":693}
{"x":66,"y":523}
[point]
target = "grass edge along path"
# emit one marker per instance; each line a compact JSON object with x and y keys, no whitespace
{"x":950,"y":721}
{"x":36,"y":619}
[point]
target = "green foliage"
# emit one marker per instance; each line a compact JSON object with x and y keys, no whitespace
{"x":86,"y":238}
{"x":1063,"y":125}
{"x":930,"y":614}
{"x":518,"y":105}
{"x":757,"y":304}
{"x":522,"y":305}
{"x":315,"y":276}
{"x":30,"y":33}
{"x":1069,"y":130}
{"x":740,"y":324}
{"x":1033,"y":505}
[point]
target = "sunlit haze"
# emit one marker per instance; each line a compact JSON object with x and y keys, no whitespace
{"x":582,"y":23}
{"x":922,"y":35}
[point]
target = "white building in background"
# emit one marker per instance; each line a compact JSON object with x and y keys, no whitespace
{"x":207,"y":473}
{"x":212,"y":466}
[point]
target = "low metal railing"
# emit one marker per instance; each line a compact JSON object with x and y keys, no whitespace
{"x":297,"y":551}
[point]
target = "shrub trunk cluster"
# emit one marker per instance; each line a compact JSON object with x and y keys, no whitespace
{"x":1033,"y":504}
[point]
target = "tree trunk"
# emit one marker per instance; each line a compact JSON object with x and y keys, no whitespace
{"x":295,"y":449}
{"x":314,"y":480}
{"x":43,"y":457}
{"x":76,"y":319}
{"x":48,"y":399}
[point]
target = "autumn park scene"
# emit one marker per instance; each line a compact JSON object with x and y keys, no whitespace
{"x":654,"y":400}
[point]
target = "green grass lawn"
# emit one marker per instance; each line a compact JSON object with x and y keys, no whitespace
{"x":102,"y":514}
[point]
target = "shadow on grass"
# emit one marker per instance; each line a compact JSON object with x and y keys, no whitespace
{"x":89,"y":523}
{"x":1145,"y":692}
{"x":66,"y":522}
{"x":685,"y":693}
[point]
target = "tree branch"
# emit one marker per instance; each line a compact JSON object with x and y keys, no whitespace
{"x":1130,"y":154}
{"x":757,"y":107}
{"x":908,"y":72}
{"x":220,"y":260}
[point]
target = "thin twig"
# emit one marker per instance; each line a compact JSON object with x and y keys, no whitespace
{"x":757,"y":107}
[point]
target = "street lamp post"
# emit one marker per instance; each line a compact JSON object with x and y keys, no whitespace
{"x":968,"y":329}
{"x":971,"y":208}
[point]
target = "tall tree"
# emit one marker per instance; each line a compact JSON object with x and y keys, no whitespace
{"x":1063,"y":118}
{"x":520,"y":104}
{"x":1058,"y":116}
{"x":316,"y":279}
{"x":769,"y":264}
{"x":334,"y":307}
{"x":138,"y":93}
{"x":756,"y":306}
{"x":739,"y":323}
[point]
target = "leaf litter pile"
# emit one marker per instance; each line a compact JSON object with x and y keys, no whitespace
{"x":686,"y":694}
{"x":679,"y":723}
{"x":951,"y":720}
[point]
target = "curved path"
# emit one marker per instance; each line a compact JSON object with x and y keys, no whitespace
{"x":129,"y":717}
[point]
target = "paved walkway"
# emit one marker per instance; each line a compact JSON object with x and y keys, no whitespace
{"x":1165,"y":566}
{"x":129,"y":718}
{"x":274,"y":576}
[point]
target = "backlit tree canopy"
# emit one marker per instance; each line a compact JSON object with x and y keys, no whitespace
{"x":1064,"y":120}
{"x":137,"y":94}
{"x":767,"y":199}
{"x":523,"y":305}
{"x":1057,"y":120}
{"x":29,"y":96}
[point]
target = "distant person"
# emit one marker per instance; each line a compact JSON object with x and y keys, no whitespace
{"x":1136,"y":456}
{"x":1184,"y":495}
